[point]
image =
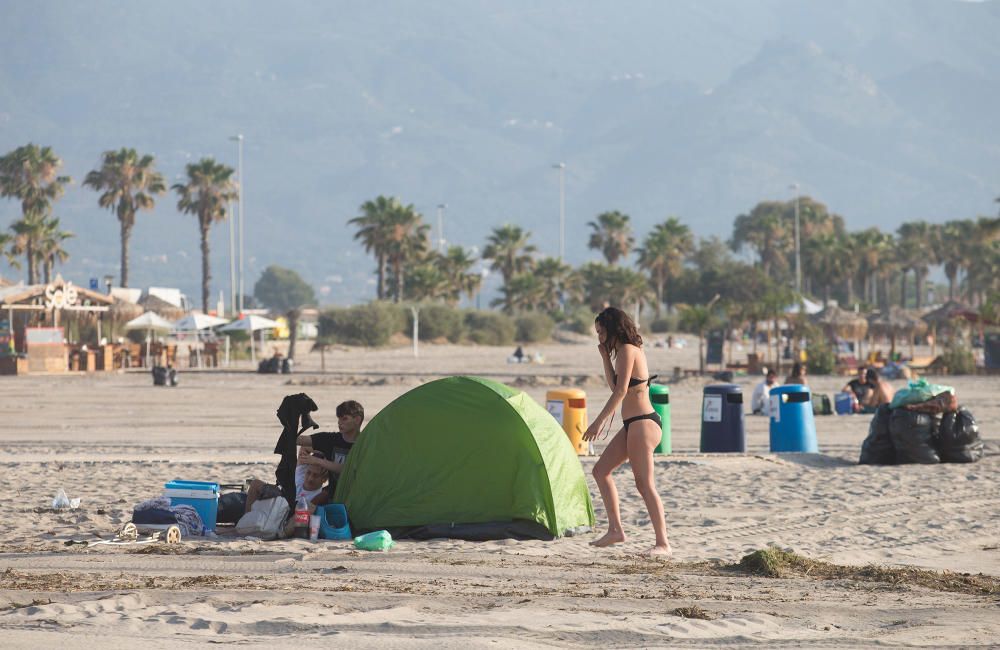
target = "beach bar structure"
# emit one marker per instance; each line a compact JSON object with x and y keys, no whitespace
{"x":32,"y":339}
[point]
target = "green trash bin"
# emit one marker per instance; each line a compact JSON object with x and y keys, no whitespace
{"x":659,"y":395}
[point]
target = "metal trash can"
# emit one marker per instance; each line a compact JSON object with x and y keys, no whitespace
{"x":659,"y":395}
{"x":569,"y":407}
{"x":793,"y":428}
{"x":722,"y":426}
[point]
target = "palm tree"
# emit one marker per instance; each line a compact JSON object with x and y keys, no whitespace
{"x":456,"y":264}
{"x":869,"y":247}
{"x":612,"y":236}
{"x":950,"y":245}
{"x":49,"y":247}
{"x":554,"y":276}
{"x":524,"y":292}
{"x":6,"y":241}
{"x":663,"y":253}
{"x":765,"y":231}
{"x":373,"y":233}
{"x":206,"y":193}
{"x":128,"y":182}
{"x":406,"y":243}
{"x":826,"y":260}
{"x":916,"y":253}
{"x":29,"y":173}
{"x":508,"y":248}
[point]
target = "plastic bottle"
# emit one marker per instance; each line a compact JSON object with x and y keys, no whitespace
{"x":380,"y":540}
{"x":301,"y":518}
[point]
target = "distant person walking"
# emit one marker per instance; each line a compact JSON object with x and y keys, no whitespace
{"x":627,"y":374}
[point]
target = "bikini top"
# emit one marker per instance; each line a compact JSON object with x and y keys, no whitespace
{"x":633,"y":382}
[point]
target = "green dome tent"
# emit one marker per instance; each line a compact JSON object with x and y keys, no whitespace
{"x":468,"y":458}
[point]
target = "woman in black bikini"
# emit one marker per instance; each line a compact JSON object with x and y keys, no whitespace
{"x":624,"y":366}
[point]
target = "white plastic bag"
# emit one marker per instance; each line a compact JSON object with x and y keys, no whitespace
{"x":265,"y":520}
{"x":61,"y":501}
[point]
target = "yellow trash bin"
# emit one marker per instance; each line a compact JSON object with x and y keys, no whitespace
{"x":569,"y":407}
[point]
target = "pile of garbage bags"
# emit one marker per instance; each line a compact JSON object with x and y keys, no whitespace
{"x":934,"y":430}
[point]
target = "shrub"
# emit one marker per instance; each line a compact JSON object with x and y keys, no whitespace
{"x":580,"y":320}
{"x":958,"y":359}
{"x":821,"y":359}
{"x":663,"y":325}
{"x":534,"y":327}
{"x":436,"y":321}
{"x":369,"y":325}
{"x":489,"y":328}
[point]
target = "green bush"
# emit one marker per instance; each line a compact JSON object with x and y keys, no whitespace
{"x":371,"y":325}
{"x":821,"y":359}
{"x":437,"y":321}
{"x":958,"y":359}
{"x":489,"y":328}
{"x":663,"y":324}
{"x":534,"y":327}
{"x":580,"y":320}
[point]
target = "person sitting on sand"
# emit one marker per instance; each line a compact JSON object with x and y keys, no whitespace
{"x":760,"y":402}
{"x":881,"y":392}
{"x":309,"y":481}
{"x":859,"y":385}
{"x":336,"y":445}
{"x":798,"y":375}
{"x":627,"y":374}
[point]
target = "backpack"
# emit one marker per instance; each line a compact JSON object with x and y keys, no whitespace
{"x":265,"y":520}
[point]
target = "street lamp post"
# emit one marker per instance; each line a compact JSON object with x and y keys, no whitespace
{"x":239,"y":179}
{"x":232,"y":264}
{"x":798,"y":258}
{"x":441,"y":207}
{"x":562,"y":208}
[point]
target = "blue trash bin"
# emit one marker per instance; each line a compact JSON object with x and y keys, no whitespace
{"x":792,"y":425}
{"x":722,"y":419}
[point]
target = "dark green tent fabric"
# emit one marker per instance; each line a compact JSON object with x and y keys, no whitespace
{"x":464,"y":450}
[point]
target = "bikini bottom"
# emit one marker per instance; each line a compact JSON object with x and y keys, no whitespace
{"x":648,"y":416}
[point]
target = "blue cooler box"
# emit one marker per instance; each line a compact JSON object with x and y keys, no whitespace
{"x":844,"y":403}
{"x":203,"y":496}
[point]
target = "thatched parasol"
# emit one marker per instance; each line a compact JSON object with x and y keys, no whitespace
{"x":123,"y":310}
{"x":161,"y":307}
{"x":947,"y":313}
{"x":840,"y":323}
{"x":897,"y":322}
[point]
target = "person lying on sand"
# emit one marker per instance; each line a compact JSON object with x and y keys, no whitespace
{"x":309,"y":481}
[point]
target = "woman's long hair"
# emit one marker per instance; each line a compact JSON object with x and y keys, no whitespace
{"x":620,"y":329}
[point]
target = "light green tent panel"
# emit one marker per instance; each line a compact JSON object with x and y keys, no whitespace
{"x":464,"y":450}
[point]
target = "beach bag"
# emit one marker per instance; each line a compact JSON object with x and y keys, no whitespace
{"x":877,"y":448}
{"x":265,"y":520}
{"x":913,"y":436}
{"x":958,"y":438}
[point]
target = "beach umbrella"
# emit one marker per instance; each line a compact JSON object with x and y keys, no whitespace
{"x":195,"y":320}
{"x":250,"y":323}
{"x":150,"y":322}
{"x":842,"y":323}
{"x":896,"y":322}
{"x":160,"y":306}
{"x":946,"y":317}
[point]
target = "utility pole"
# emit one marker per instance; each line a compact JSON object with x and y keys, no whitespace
{"x":562,"y":208}
{"x":798,"y":257}
{"x":239,"y":179}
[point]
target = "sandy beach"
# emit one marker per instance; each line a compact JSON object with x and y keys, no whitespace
{"x":113,"y":441}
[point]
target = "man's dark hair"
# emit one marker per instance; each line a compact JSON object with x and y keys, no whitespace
{"x":350,"y":407}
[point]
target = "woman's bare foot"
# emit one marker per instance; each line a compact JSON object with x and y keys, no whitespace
{"x":608,"y":539}
{"x":662,"y":551}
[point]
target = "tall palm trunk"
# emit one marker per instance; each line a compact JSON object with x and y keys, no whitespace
{"x":29,"y":252}
{"x":126,"y":233}
{"x":918,"y":281}
{"x":293,"y":330}
{"x":902,"y":288}
{"x":382,"y":268}
{"x":659,"y":296}
{"x":206,"y":273}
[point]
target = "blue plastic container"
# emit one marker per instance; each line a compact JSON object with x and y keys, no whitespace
{"x":333,"y":522}
{"x":722,"y":428}
{"x":203,"y":496}
{"x":793,"y":428}
{"x":844,"y":403}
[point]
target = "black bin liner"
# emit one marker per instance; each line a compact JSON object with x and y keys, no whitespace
{"x":958,"y":438}
{"x":913,"y":436}
{"x":877,"y":448}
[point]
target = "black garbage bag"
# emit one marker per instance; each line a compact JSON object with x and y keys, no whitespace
{"x":913,"y":436}
{"x":877,"y":448}
{"x":958,"y":438}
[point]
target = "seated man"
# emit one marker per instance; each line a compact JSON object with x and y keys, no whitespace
{"x":335,"y":446}
{"x":881,"y":393}
{"x":309,"y":481}
{"x":760,"y":403}
{"x":859,"y":386}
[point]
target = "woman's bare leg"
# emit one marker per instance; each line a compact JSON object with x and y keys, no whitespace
{"x":614,"y":455}
{"x":643,"y":438}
